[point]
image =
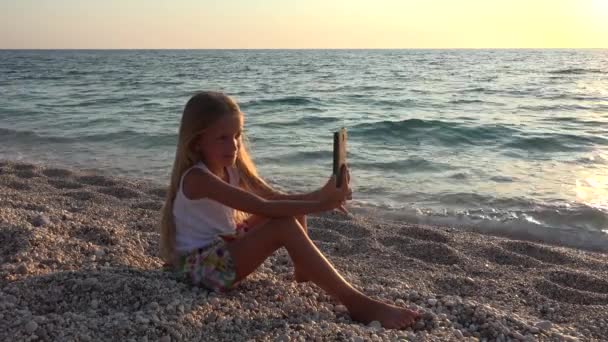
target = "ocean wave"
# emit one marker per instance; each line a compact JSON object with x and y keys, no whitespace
{"x":591,"y":123}
{"x":310,"y":121}
{"x":403,"y":166}
{"x":545,"y":108}
{"x":80,"y":72}
{"x":502,"y":179}
{"x":391,"y":103}
{"x":555,"y":142}
{"x":476,"y":200}
{"x":591,"y":160}
{"x":514,"y":92}
{"x":577,"y":226}
{"x":442,"y":131}
{"x":573,"y":97}
{"x":126,"y":137}
{"x":365,"y":88}
{"x":287,"y":100}
{"x":562,"y":119}
{"x":86,"y":103}
{"x":26,"y":136}
{"x":299,"y":157}
{"x":464,"y":101}
{"x":460,"y":175}
{"x":84,"y":123}
{"x":475,"y":90}
{"x":421,"y":91}
{"x":28,"y":77}
{"x":576,"y":71}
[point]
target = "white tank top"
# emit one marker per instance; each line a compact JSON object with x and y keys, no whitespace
{"x":198,"y":222}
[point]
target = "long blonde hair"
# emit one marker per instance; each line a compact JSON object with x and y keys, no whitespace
{"x":200,"y":112}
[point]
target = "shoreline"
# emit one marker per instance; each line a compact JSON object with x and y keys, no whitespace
{"x":79,"y":260}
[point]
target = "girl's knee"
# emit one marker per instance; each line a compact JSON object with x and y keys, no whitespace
{"x":286,"y":221}
{"x":301,"y":219}
{"x":290,"y":224}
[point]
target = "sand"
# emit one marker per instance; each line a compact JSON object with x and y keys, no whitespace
{"x":78,"y":257}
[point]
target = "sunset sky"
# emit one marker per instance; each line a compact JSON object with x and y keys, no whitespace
{"x":275,"y":24}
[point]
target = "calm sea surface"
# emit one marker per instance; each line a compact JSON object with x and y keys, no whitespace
{"x":501,"y":139}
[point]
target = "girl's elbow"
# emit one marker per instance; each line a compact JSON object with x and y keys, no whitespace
{"x":261,"y":207}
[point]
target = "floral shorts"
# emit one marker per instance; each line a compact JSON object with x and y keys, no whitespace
{"x":212,"y":266}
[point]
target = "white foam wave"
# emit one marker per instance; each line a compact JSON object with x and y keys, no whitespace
{"x":519,"y":226}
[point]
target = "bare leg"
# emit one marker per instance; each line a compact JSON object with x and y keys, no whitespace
{"x":253,"y":248}
{"x":297,"y":274}
{"x":256,"y":221}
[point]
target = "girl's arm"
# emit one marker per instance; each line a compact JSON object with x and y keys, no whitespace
{"x":311,"y":196}
{"x":201,"y":184}
{"x":316,"y":195}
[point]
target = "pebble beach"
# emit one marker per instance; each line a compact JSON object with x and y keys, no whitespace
{"x":79,"y":262}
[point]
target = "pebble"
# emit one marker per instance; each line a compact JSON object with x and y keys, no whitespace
{"x":458,"y":334}
{"x":340,"y":308}
{"x":450,"y":303}
{"x":212,"y":317}
{"x":375,"y":325}
{"x":21,"y":269}
{"x":90,"y":281}
{"x":518,"y":336}
{"x":544,"y":325}
{"x":153,"y":306}
{"x":237,"y":315}
{"x":31,"y":326}
{"x":41,"y":220}
{"x":565,"y":338}
{"x":282,"y":338}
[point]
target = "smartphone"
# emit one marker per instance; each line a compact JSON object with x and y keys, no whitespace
{"x":339,"y":154}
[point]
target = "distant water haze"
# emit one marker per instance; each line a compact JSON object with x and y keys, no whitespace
{"x":492,"y":138}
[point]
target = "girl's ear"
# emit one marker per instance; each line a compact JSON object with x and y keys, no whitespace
{"x":196,"y":143}
{"x":192,"y":149}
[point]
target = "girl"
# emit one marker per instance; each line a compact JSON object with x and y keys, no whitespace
{"x":206,"y":235}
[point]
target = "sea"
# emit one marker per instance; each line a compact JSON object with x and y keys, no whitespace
{"x":509,"y":141}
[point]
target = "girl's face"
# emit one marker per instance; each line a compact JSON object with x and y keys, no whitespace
{"x":220,"y":142}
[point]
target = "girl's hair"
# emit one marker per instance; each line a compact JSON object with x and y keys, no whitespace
{"x":201,"y":111}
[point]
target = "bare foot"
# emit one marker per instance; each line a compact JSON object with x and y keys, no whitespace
{"x":365,"y":310}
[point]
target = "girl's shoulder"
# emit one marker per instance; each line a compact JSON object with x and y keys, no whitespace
{"x":194,"y":180}
{"x":199,"y":165}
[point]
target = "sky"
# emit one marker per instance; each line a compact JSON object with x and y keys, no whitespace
{"x":299,"y":24}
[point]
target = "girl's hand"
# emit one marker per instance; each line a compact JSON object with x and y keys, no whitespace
{"x":330,"y":186}
{"x":335,"y":197}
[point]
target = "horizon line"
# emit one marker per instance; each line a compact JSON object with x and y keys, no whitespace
{"x":409,"y":48}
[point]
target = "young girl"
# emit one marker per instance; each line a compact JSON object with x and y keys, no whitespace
{"x":206,"y":235}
